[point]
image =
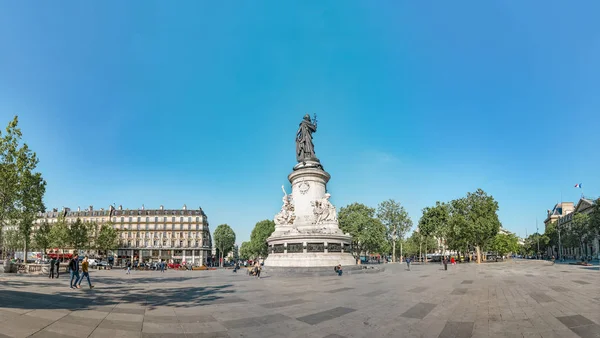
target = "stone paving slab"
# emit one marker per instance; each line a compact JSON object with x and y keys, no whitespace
{"x":510,"y":299}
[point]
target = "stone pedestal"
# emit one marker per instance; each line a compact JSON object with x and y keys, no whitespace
{"x":307,"y":233}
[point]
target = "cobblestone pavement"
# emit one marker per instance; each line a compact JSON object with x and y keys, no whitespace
{"x":512,"y":299}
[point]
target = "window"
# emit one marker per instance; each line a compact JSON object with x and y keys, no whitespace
{"x":197,"y":227}
{"x":129,"y":219}
{"x":189,"y":219}
{"x":197,"y":219}
{"x":173,"y":219}
{"x":155,"y":219}
{"x":181,"y":219}
{"x":181,"y":235}
{"x":164,"y":219}
{"x":147,"y":219}
{"x":122,"y":219}
{"x":129,"y":234}
{"x":189,"y":235}
{"x":146,"y":226}
{"x":139,"y":219}
{"x":137,"y":227}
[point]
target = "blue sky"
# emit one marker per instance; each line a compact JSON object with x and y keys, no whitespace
{"x":158,"y":103}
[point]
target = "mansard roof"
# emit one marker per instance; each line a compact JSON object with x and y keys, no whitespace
{"x":584,"y":204}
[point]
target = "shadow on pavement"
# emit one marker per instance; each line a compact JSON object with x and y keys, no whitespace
{"x":75,"y":299}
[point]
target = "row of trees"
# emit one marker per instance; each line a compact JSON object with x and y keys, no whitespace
{"x":78,"y":235}
{"x":470,"y":222}
{"x":581,"y":231}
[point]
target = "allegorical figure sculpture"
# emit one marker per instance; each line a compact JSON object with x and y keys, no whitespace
{"x":286,"y":215}
{"x":324,"y":211}
{"x":305,"y":150}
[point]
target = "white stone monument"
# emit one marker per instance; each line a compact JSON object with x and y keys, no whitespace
{"x":307,"y":233}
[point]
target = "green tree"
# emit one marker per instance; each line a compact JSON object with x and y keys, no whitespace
{"x":59,"y":234}
{"x":11,"y":241}
{"x":108,"y":238}
{"x":396,"y":221}
{"x":552,"y":234}
{"x":594,"y":218}
{"x":504,"y":244}
{"x":21,"y":189}
{"x":42,"y":238}
{"x":580,"y":230}
{"x":258,"y":238}
{"x":224,"y":238}
{"x":434,"y":222}
{"x":246,"y":251}
{"x":474,"y":219}
{"x":368,"y":233}
{"x":78,"y":235}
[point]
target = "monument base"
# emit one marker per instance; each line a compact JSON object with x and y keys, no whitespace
{"x":310,"y":259}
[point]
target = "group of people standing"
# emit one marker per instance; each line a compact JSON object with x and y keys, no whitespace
{"x":74,"y":266}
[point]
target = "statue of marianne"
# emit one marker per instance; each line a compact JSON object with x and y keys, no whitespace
{"x":305,"y":150}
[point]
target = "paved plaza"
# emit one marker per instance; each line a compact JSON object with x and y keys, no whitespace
{"x":512,"y":299}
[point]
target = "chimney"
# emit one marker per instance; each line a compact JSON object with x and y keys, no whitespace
{"x":184,"y":207}
{"x":78,"y":209}
{"x":120,"y":207}
{"x":91,"y":207}
{"x":162,"y":208}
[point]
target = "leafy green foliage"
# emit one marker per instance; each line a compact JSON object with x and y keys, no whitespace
{"x":108,"y":238}
{"x":224,"y":238}
{"x":258,"y":238}
{"x":21,"y":189}
{"x":246,"y":252}
{"x":41,"y":237}
{"x":504,"y":244}
{"x":78,"y":235}
{"x":59,"y":233}
{"x":11,"y":240}
{"x":396,"y":221}
{"x":368,"y":233}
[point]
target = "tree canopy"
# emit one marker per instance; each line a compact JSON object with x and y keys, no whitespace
{"x":22,"y":189}
{"x":258,"y":238}
{"x":108,"y":238}
{"x":396,"y":221}
{"x":368,"y":233}
{"x":224,"y":238}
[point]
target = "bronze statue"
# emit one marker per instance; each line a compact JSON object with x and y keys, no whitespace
{"x":305,"y":150}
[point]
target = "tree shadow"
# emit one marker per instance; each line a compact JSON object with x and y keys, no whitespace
{"x":78,"y":300}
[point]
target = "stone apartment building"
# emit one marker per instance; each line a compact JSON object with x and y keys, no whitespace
{"x":148,"y":235}
{"x":562,"y":214}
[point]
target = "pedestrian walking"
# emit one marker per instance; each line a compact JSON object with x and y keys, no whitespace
{"x":445,"y":262}
{"x":85,"y":273}
{"x":57,"y":267}
{"x":128,"y":268}
{"x":74,"y":271}
{"x":52,"y":265}
{"x":408,"y":263}
{"x":162,"y":266}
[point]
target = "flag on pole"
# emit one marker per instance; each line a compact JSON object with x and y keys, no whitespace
{"x":578,"y":185}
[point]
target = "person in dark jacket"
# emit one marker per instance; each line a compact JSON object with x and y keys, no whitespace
{"x":74,"y":271}
{"x":52,"y":265}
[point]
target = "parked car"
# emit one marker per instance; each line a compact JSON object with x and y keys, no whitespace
{"x":174,"y":265}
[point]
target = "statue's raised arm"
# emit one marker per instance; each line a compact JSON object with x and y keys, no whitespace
{"x":305,"y":149}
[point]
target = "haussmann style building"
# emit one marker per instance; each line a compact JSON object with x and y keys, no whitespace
{"x":148,"y":235}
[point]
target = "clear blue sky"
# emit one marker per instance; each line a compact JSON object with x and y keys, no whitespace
{"x":146,"y":102}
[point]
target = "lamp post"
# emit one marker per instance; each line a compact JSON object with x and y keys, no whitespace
{"x":537,"y":231}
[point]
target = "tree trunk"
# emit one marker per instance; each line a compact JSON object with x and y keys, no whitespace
{"x":25,"y":252}
{"x":401,"y":254}
{"x":478,"y":252}
{"x":426,"y":251}
{"x":393,"y":251}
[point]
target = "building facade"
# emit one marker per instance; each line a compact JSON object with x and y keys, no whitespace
{"x":563,"y":214}
{"x":147,"y":235}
